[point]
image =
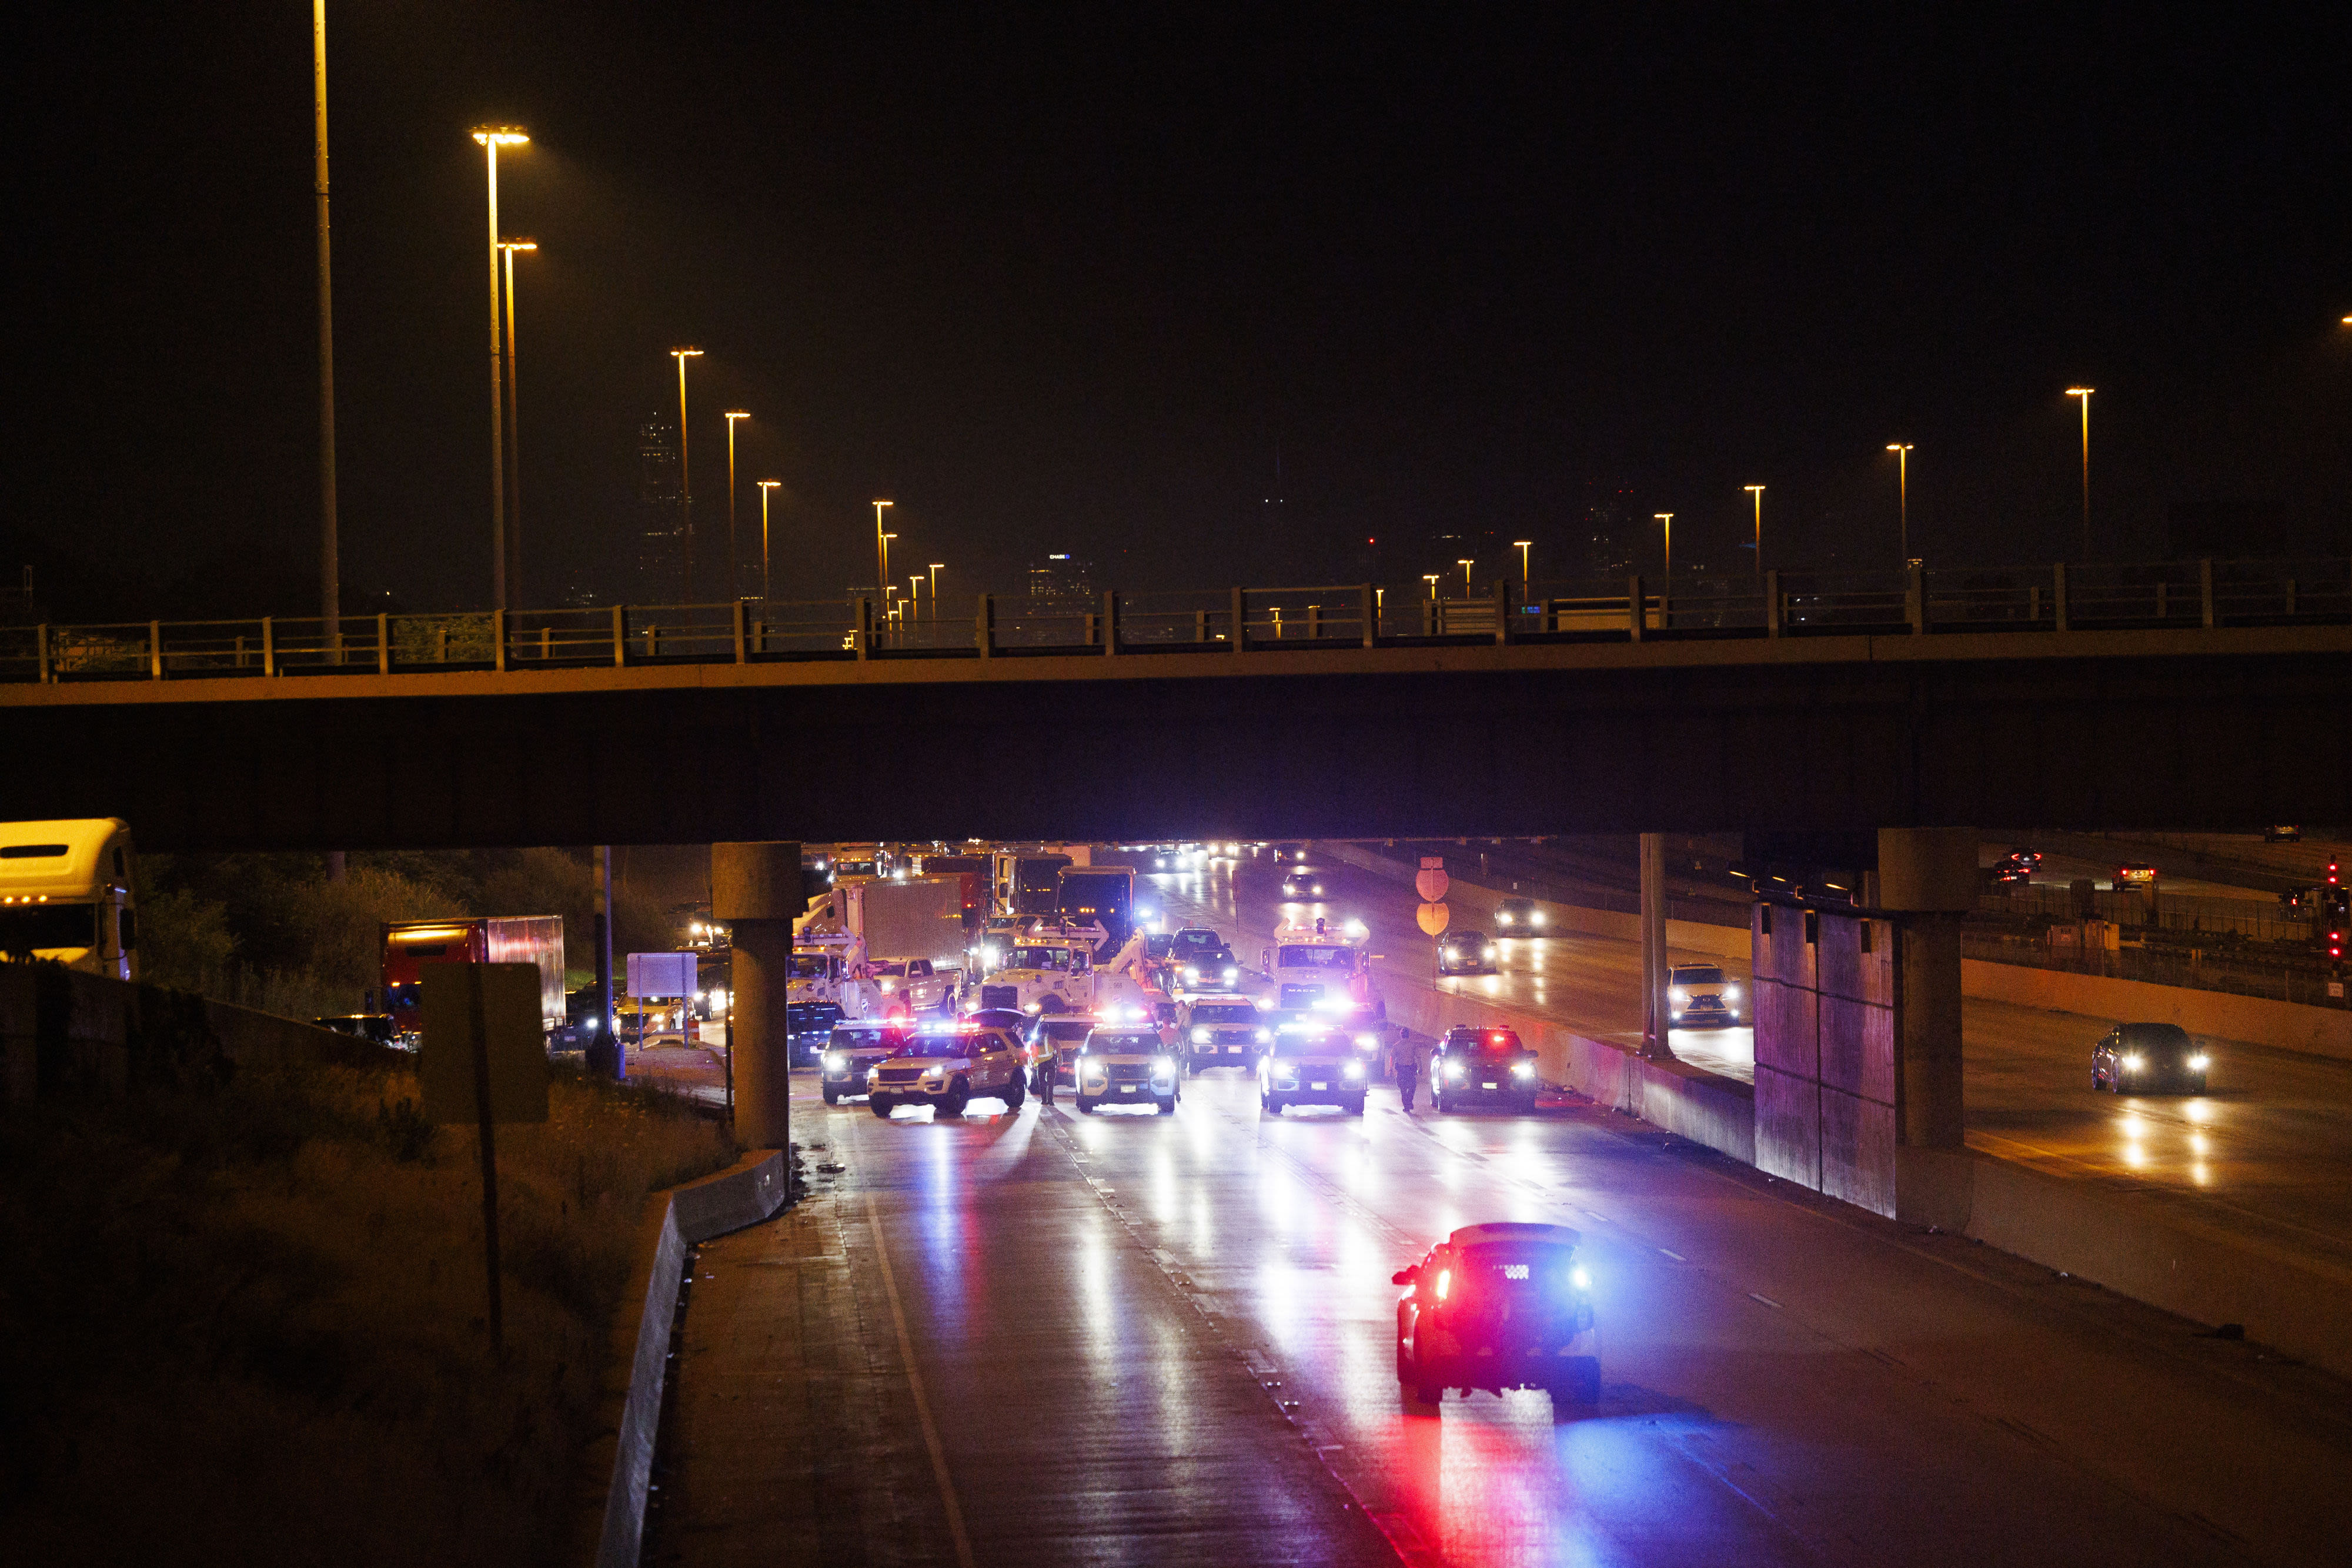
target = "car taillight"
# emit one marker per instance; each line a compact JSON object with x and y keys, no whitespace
{"x":1444,"y":1282}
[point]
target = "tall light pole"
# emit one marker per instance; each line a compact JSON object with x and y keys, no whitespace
{"x":936,"y":566}
{"x":491,"y":138}
{"x":1465,"y":565}
{"x":766,"y":591}
{"x":888,"y":588}
{"x":1668,"y":518}
{"x":734,"y":573}
{"x":2084,"y":395}
{"x":684,"y":476}
{"x":881,"y":550}
{"x":1523,"y":546}
{"x":1902,"y":450}
{"x":330,"y":595}
{"x":507,"y":248}
{"x":1758,"y":491}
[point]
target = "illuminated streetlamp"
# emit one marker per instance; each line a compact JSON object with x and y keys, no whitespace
{"x":881,"y":550}
{"x":1668,"y":518}
{"x":915,"y":597}
{"x":1431,"y":578}
{"x":330,"y":594}
{"x":1466,"y":577}
{"x":2084,"y":395}
{"x":684,"y":475}
{"x":884,"y":541}
{"x":1902,"y":450}
{"x":734,"y":573}
{"x":1522,"y":546}
{"x":491,"y":138}
{"x":1758,"y":491}
{"x":514,"y":425}
{"x":766,"y":592}
{"x":936,"y":566}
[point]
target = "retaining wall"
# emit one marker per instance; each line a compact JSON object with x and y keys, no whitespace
{"x":638,"y":1366}
{"x":2258,"y":1020}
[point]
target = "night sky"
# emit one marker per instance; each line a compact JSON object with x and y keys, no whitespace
{"x":1079,"y":279}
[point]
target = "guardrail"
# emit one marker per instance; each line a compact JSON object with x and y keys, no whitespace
{"x":1921,"y":602}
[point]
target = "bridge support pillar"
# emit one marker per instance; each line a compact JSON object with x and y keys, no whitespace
{"x":756,"y":889}
{"x":1656,"y":1012}
{"x":1928,"y":875}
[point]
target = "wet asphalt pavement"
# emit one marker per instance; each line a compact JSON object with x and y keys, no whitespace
{"x":1144,"y":1339}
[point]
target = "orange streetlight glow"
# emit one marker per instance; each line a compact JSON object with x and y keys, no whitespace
{"x":2084,"y":395}
{"x":766,"y":591}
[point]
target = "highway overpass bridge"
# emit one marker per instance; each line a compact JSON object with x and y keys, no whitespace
{"x":1890,"y":707}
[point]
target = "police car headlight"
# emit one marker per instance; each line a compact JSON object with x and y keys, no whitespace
{"x":935,"y":1073}
{"x":1453,"y":1070}
{"x":1355,"y":1069}
{"x":1368,"y":1042}
{"x":1731,"y":993}
{"x":1232,"y":972}
{"x":1523,"y":1069}
{"x":589,"y":1024}
{"x":1579,"y":1278}
{"x":1264,"y":1035}
{"x":835,"y":1062}
{"x":1162,"y":1067}
{"x":1678,"y":996}
{"x":1201,"y":1035}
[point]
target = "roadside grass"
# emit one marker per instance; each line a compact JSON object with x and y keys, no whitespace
{"x":246,"y":1325}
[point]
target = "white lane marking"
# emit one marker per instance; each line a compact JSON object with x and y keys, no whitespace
{"x":1767,"y":1301}
{"x":915,"y":1383}
{"x":1673,"y":1254}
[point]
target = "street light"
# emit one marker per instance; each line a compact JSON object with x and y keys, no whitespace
{"x":1522,"y":546}
{"x":884,"y":541}
{"x":881,"y":551}
{"x":734,"y":574}
{"x":1668,"y":518}
{"x":915,"y":597}
{"x":766,"y":592}
{"x":330,"y":563}
{"x":1758,"y":491}
{"x":514,"y":425}
{"x":1466,"y":577}
{"x":1902,"y":450}
{"x":937,"y":568}
{"x":1431,"y":578}
{"x":490,"y":138}
{"x":684,"y":475}
{"x":2084,"y":395}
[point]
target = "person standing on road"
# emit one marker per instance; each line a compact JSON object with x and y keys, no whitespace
{"x":1411,"y":1056}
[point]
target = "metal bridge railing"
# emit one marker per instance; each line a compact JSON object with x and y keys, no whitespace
{"x":1919,"y":601}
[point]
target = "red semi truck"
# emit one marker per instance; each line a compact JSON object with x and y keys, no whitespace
{"x":410,"y":944}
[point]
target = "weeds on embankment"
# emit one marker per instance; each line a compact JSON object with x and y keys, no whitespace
{"x":244,"y":1323}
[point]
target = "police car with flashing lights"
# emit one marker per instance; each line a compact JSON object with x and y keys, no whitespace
{"x":1127,"y":1064}
{"x":852,"y":1048}
{"x":1495,"y":1307}
{"x":1217,"y":1029}
{"x":1312,"y":1063}
{"x":949,"y":1066}
{"x":1699,"y":997}
{"x":1482,"y":1066}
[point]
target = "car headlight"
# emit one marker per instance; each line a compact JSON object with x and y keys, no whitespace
{"x":1523,"y":1069}
{"x":1368,"y":1042}
{"x":1161,"y":1067}
{"x":2198,"y":1062}
{"x":1488,"y":953}
{"x":889,"y":985}
{"x":1201,"y":1035}
{"x":1031,"y":1007}
{"x":1678,"y":996}
{"x":1731,"y":993}
{"x":1453,"y":953}
{"x":1536,"y":918}
{"x":935,"y":1073}
{"x":1501,"y":918}
{"x":1095,"y":1072}
{"x":1453,"y":1070}
{"x":1264,"y":1035}
{"x":2131,"y":1064}
{"x":835,"y":1061}
{"x":1579,"y":1278}
{"x":589,"y":1024}
{"x":1191,"y":971}
{"x":1232,"y":972}
{"x":1355,"y":1069}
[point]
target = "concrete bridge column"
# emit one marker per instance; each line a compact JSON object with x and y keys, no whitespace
{"x":1657,"y":1014}
{"x":1928,"y":876}
{"x":756,"y":889}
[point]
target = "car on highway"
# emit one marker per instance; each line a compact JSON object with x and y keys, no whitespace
{"x":2018,"y":865}
{"x":947,"y":1067}
{"x":1128,"y":1065}
{"x":1481,"y":1067}
{"x":2148,"y":1059}
{"x":1466,"y":952}
{"x":1308,"y":1064}
{"x":1699,"y":996}
{"x":1495,"y":1307}
{"x":851,"y":1050}
{"x":1201,"y":962}
{"x":1217,"y":1029}
{"x":1301,"y":882}
{"x":1520,"y":917}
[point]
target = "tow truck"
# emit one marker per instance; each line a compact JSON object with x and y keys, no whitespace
{"x":1051,"y":968}
{"x":1322,"y":966}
